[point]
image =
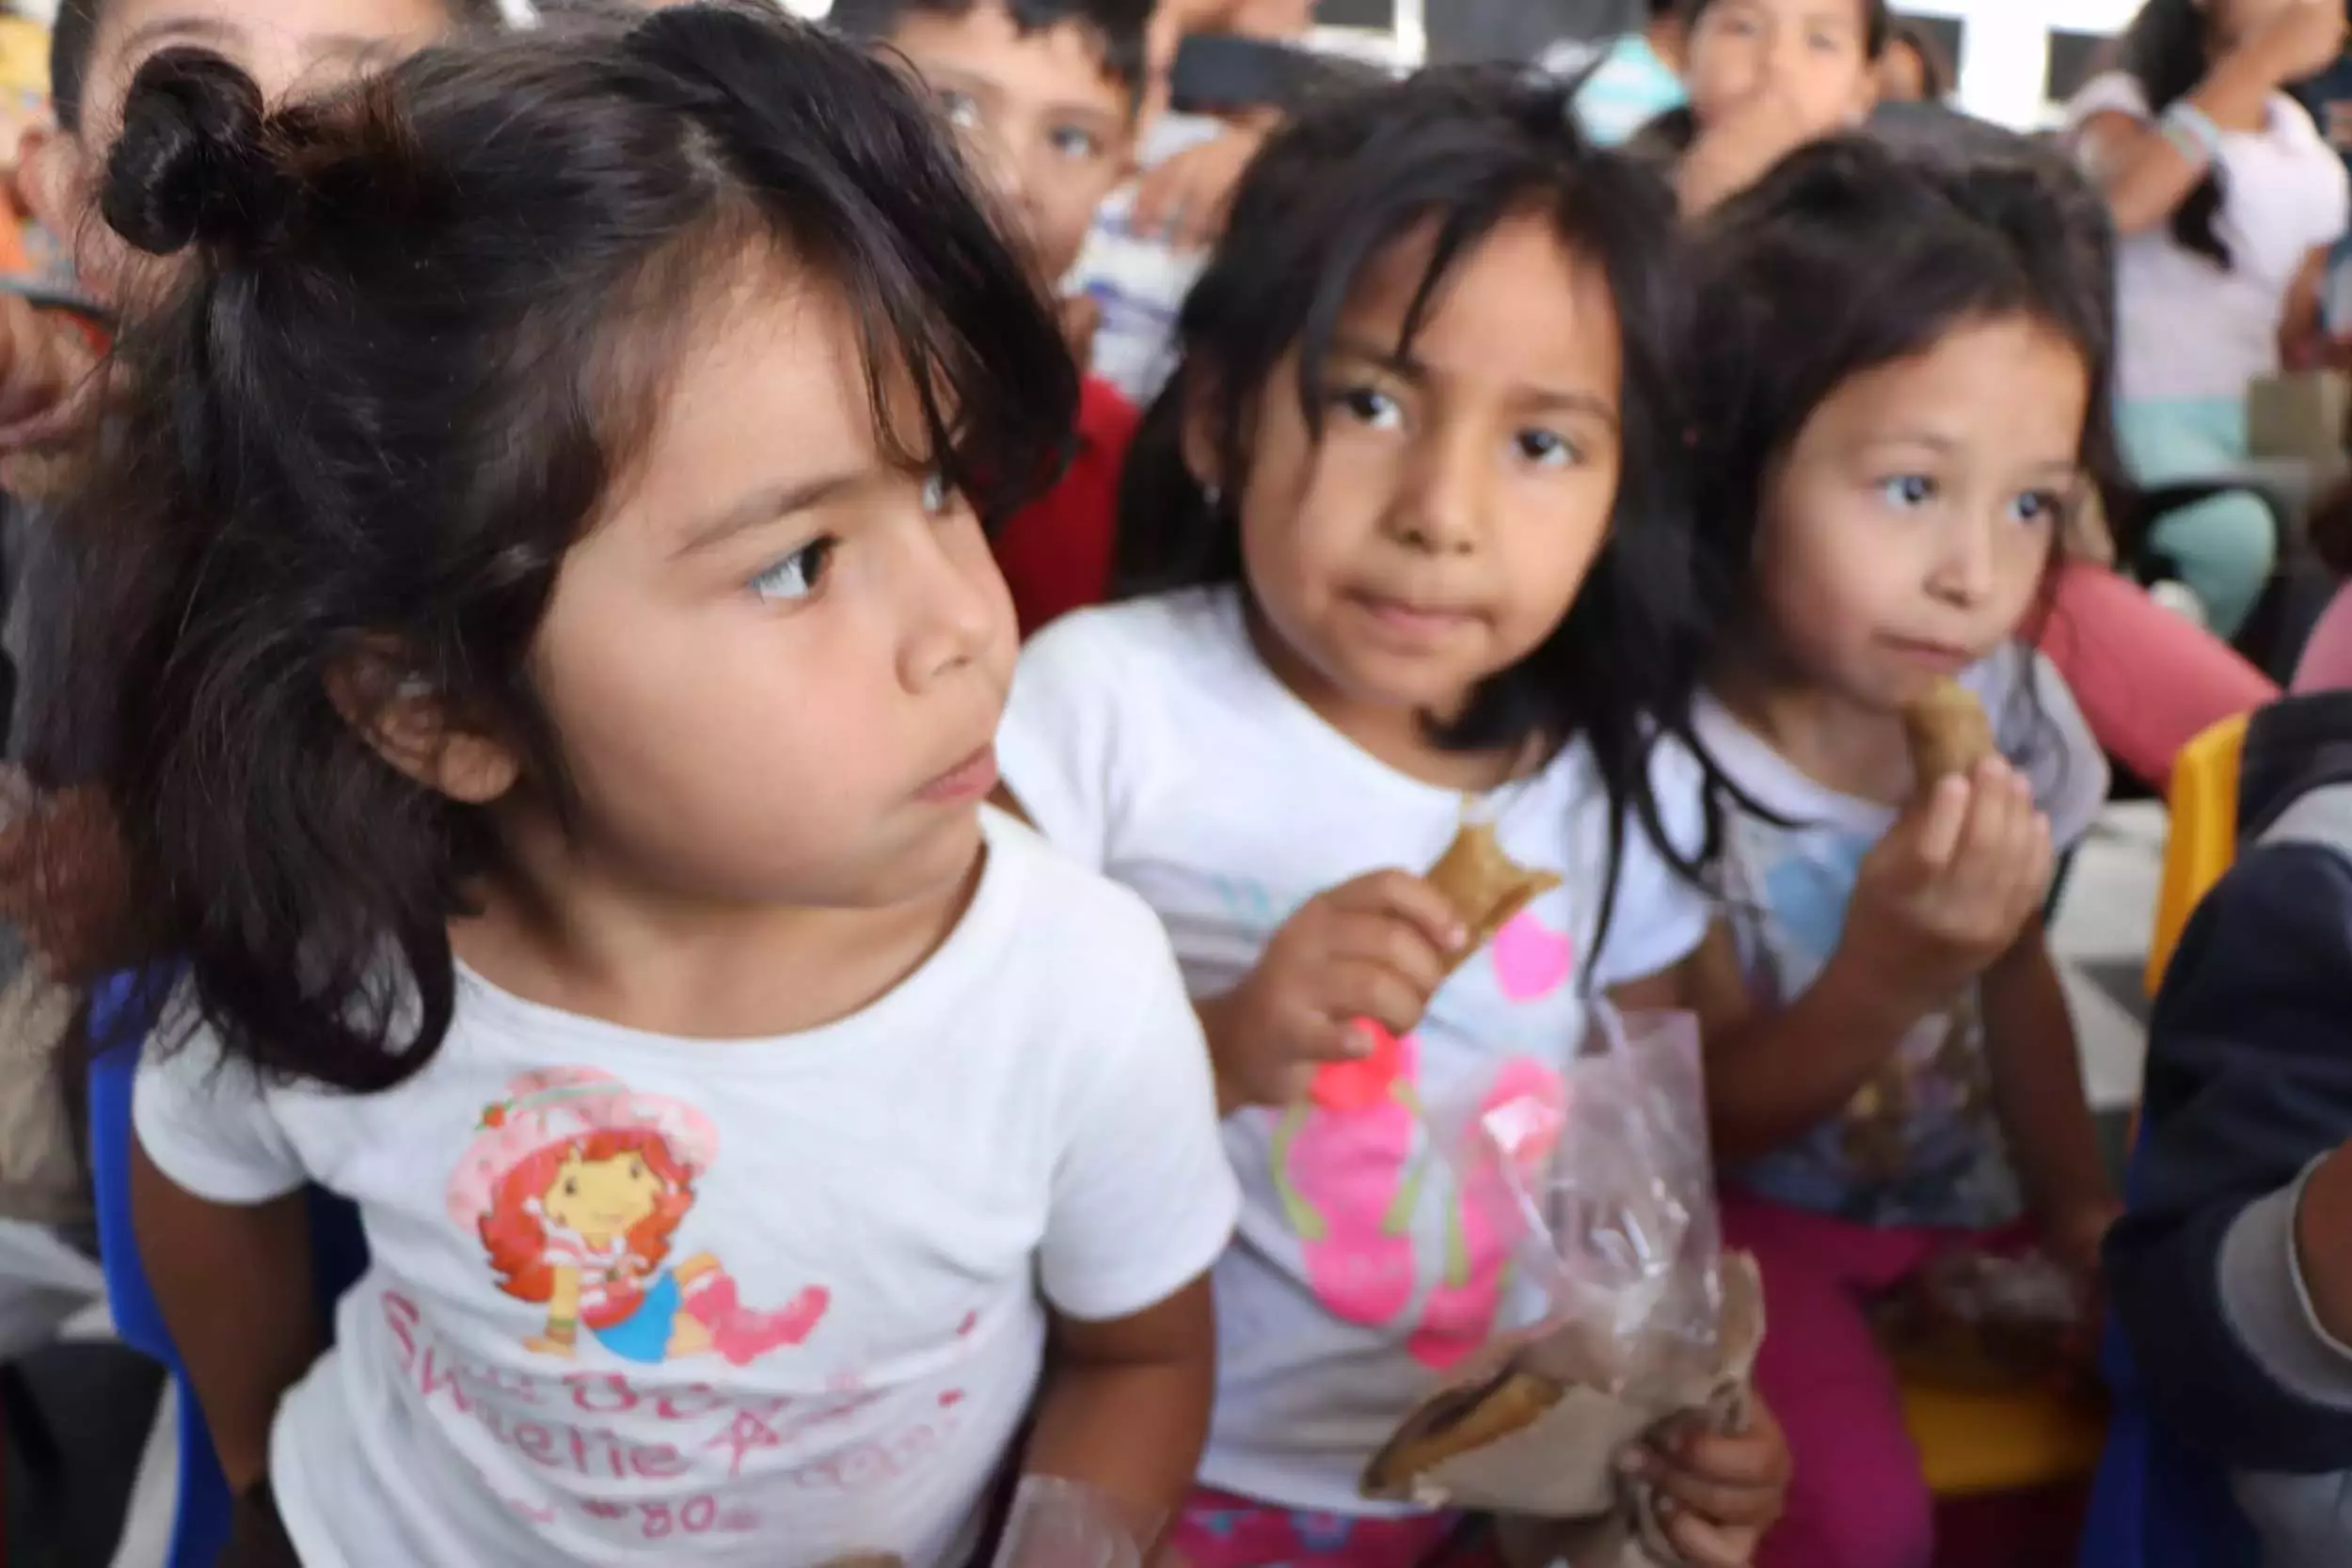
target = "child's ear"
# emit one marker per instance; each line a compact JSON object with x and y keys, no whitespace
{"x":1203,"y":457}
{"x":408,"y":725}
{"x":49,"y":179}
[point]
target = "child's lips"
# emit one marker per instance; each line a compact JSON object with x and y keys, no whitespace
{"x":969,"y":780}
{"x":1410,"y":620}
{"x":1943,"y":658}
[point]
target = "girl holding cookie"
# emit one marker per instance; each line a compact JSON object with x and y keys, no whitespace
{"x":1908,"y":358}
{"x":1406,"y":575}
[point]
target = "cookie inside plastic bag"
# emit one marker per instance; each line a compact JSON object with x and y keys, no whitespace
{"x":1631,"y":1317}
{"x":1982,"y":1322}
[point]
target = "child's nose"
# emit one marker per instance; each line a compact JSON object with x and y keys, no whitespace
{"x":1445,"y":494}
{"x":1964,"y":568}
{"x":955,"y":609}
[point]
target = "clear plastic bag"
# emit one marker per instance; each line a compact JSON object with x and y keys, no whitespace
{"x":1066,"y":1523}
{"x":1612,"y":1186}
{"x":1627,"y":1314}
{"x":1981,"y":1320}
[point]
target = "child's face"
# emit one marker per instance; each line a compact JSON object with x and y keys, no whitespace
{"x":283,"y":45}
{"x":1045,"y":123}
{"x":1903,"y":76}
{"x":1814,"y":54}
{"x":1440,"y":531}
{"x":1906,"y":532}
{"x":777,"y":662}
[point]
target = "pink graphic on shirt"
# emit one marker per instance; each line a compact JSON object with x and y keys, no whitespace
{"x":1530,"y":960}
{"x":1348,"y":1181}
{"x":576,"y":1185}
{"x":1520,"y":1121}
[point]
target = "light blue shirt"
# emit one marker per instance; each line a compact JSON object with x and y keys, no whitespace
{"x":1630,"y":86}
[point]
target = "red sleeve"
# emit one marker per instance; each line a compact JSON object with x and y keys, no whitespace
{"x":1056,"y":553}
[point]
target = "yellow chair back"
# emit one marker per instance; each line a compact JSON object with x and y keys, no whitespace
{"x":2202,"y":838}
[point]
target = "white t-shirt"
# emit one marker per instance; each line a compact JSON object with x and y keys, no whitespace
{"x":1149,"y":740}
{"x":1931,"y":1155}
{"x":808,"y":1269}
{"x":2186,"y":329}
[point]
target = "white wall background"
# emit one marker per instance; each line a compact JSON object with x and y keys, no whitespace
{"x":2005,"y":53}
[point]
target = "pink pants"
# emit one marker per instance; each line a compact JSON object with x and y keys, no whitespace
{"x":2148,"y":679}
{"x":1856,"y":1498}
{"x":1217,"y":1529}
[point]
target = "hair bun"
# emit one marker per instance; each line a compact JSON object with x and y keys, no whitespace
{"x":194,"y":164}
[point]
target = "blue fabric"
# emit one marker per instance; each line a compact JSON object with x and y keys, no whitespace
{"x":644,"y":1335}
{"x":122,"y":1015}
{"x":1627,"y":88}
{"x":2155,"y":1502}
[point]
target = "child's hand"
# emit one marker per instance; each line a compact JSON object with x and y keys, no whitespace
{"x":2073,"y":1237}
{"x":1948,"y":888}
{"x":1081,"y":319}
{"x":1718,"y":1493}
{"x":1374,"y":948}
{"x":1186,"y":198}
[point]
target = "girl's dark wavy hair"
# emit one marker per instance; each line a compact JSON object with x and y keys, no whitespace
{"x":1454,"y":151}
{"x":420,"y":330}
{"x":1862,"y":251}
{"x":2165,"y":51}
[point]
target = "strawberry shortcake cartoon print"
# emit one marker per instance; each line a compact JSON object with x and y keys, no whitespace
{"x":576,"y":1188}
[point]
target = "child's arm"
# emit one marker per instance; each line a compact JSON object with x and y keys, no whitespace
{"x":1126,"y":1408}
{"x":561,"y":1336}
{"x":233,"y":1284}
{"x":1143,"y":1203}
{"x":2230,"y":1275}
{"x":1938,"y":901}
{"x":1772,"y":1073}
{"x":2038,"y":1094}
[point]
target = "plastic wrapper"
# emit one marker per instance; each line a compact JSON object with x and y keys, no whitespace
{"x":1631,"y":1318}
{"x":1982,"y":1322}
{"x":1066,"y":1523}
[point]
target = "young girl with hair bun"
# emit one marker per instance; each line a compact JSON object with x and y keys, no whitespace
{"x":543,"y":670}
